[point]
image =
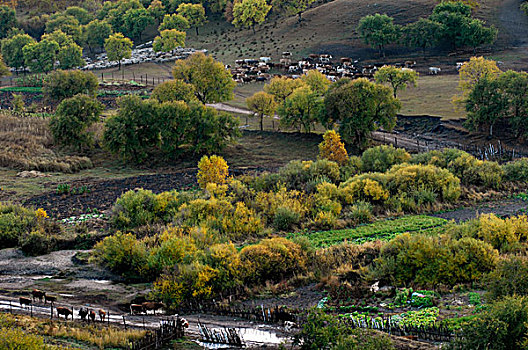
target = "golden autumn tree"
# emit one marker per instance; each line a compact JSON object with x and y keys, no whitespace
{"x":332,"y":148}
{"x":471,"y":72}
{"x":212,"y":169}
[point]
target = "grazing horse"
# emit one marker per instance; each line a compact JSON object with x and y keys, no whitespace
{"x":24,"y":301}
{"x":38,"y":294}
{"x":102,"y":315}
{"x":49,"y":298}
{"x":152,"y":306}
{"x":92,"y":315}
{"x":136,"y":309}
{"x":64,"y":311}
{"x":83,"y":312}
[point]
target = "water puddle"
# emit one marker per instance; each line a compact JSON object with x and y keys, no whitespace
{"x":261,"y":335}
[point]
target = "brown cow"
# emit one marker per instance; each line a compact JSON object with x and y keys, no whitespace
{"x":83,"y":312}
{"x":38,"y":294}
{"x":136,"y":309}
{"x":102,"y":315}
{"x":49,"y":298}
{"x":24,"y":301}
{"x":92,"y":315}
{"x":152,"y":306}
{"x":64,"y":311}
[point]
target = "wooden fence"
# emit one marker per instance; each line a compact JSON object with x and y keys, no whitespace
{"x":227,"y":336}
{"x":170,"y":329}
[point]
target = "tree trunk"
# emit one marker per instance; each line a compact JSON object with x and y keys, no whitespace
{"x":491,"y":130}
{"x":197,"y":34}
{"x":261,"y":122}
{"x":119,"y":64}
{"x":254,"y":32}
{"x":300,"y":17}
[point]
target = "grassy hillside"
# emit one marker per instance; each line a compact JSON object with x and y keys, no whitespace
{"x":329,"y":27}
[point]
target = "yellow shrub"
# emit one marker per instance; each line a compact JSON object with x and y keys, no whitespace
{"x":212,"y":169}
{"x":41,"y":214}
{"x":241,"y":223}
{"x":216,"y":190}
{"x":199,"y":211}
{"x":269,"y":202}
{"x":332,"y":148}
{"x":364,"y":189}
{"x":325,"y":220}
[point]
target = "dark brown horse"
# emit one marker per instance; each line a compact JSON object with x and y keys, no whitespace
{"x":38,"y":294}
{"x":152,"y":306}
{"x":24,"y":301}
{"x":64,"y":311}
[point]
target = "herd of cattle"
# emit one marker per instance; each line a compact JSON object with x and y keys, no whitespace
{"x":84,"y":312}
{"x":250,"y":70}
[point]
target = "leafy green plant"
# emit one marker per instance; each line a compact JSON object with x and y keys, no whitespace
{"x":63,"y":189}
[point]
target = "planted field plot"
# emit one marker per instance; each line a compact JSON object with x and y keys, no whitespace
{"x":382,"y":230}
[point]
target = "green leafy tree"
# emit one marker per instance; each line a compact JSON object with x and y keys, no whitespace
{"x":70,"y":56}
{"x":63,"y":84}
{"x":262,"y":104}
{"x":82,"y":15}
{"x":168,"y":40}
{"x":71,"y":120}
{"x":422,"y":34}
{"x":118,"y":47}
{"x":12,"y":50}
{"x":360,"y":107}
{"x":95,"y":33}
{"x":476,"y":34}
{"x":157,"y":10}
{"x":281,"y":87}
{"x":194,"y":13}
{"x":7,"y":20}
{"x":59,"y":37}
{"x":67,"y":24}
{"x":135,"y":21}
{"x":317,"y":81}
{"x":174,"y":21}
{"x":41,"y":56}
{"x":397,"y":78}
{"x":4,"y":70}
{"x":174,"y":90}
{"x":378,"y":31}
{"x":514,"y":86}
{"x":211,"y":80}
{"x":249,"y":13}
{"x":292,"y":7}
{"x":485,"y":104}
{"x":301,"y":109}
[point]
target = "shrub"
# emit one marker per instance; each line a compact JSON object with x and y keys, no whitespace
{"x":516,"y":170}
{"x":242,"y":223}
{"x":268,"y":203}
{"x":361,"y":339}
{"x":123,"y":254}
{"x":64,"y":84}
{"x":72,"y":118}
{"x":16,"y":338}
{"x":134,"y":209}
{"x":429,"y":261}
{"x":350,"y":168}
{"x":502,"y":234}
{"x":332,"y":148}
{"x":285,"y":218}
{"x":15,"y":221}
{"x":361,"y":212}
{"x":272,"y":260}
{"x":509,"y":278}
{"x":174,"y":90}
{"x":299,"y":175}
{"x":502,"y":326}
{"x":212,"y":169}
{"x":363,"y":189}
{"x":382,"y":158}
{"x":36,"y":243}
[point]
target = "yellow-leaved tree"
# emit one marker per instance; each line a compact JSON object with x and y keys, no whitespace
{"x":471,"y":73}
{"x":212,"y":169}
{"x":332,"y":148}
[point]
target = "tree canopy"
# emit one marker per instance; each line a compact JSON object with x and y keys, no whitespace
{"x":378,"y":30}
{"x":194,"y":14}
{"x":118,"y":47}
{"x":249,"y":13}
{"x":168,"y":40}
{"x":262,"y":104}
{"x":211,"y":80}
{"x":12,"y":50}
{"x":7,"y":20}
{"x":397,"y":78}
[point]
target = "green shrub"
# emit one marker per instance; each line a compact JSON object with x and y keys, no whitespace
{"x":429,"y":261}
{"x":516,"y":170}
{"x":382,"y":158}
{"x":134,"y":209}
{"x":361,"y":212}
{"x":509,"y":278}
{"x":272,"y":260}
{"x":16,"y":338}
{"x":123,"y":254}
{"x":299,"y":175}
{"x":364,"y":339}
{"x":15,"y":221}
{"x":321,"y":331}
{"x":64,"y":84}
{"x":72,"y":118}
{"x":350,"y":168}
{"x":503,"y":326}
{"x":285,"y":218}
{"x":36,"y":243}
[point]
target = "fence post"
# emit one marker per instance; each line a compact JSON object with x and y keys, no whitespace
{"x":124,"y":322}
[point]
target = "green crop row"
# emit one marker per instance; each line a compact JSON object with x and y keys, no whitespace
{"x":31,"y":89}
{"x":381,"y":230}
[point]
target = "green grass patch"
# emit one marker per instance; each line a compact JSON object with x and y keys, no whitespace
{"x":381,"y":230}
{"x":31,"y":89}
